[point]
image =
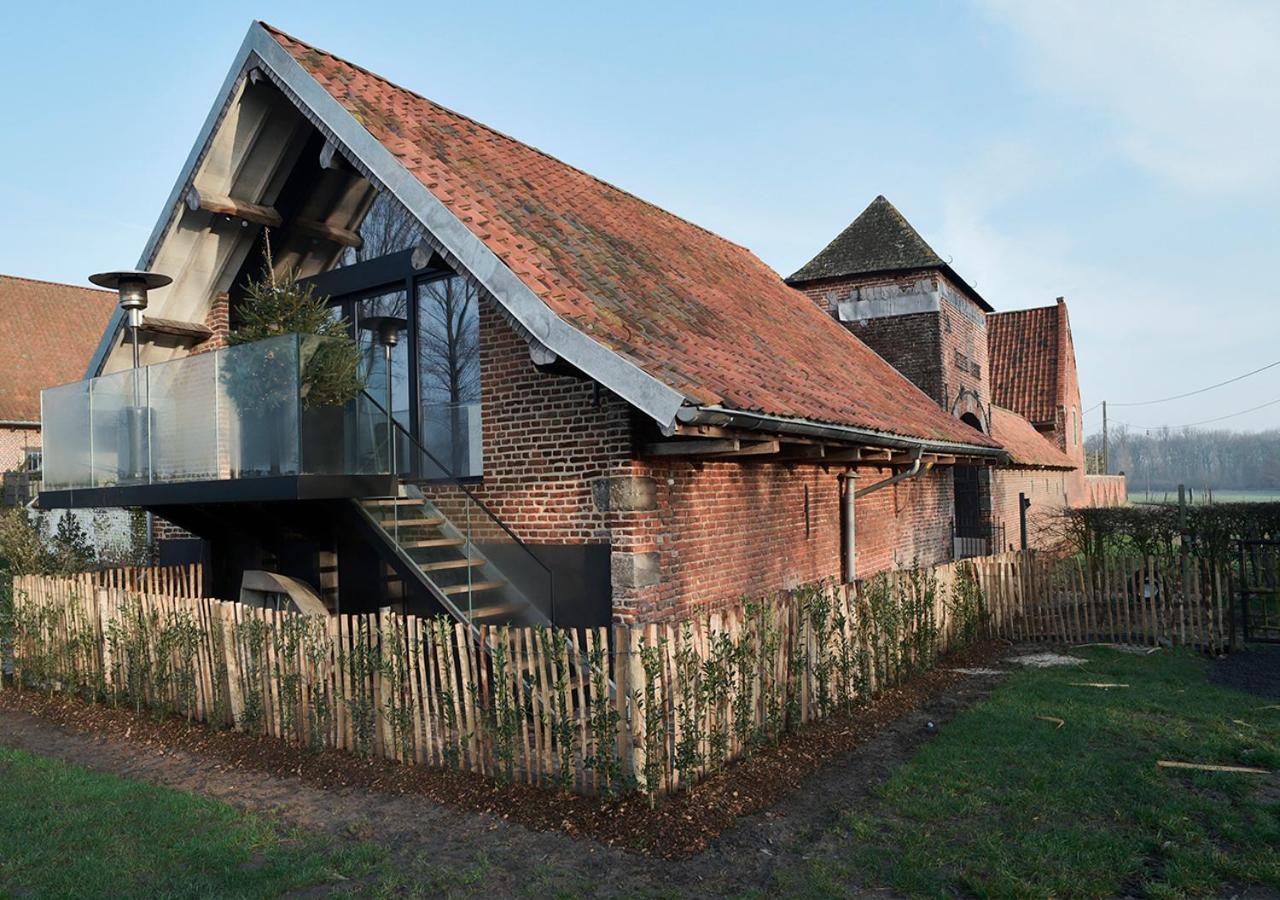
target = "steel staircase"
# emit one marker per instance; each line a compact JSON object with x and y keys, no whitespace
{"x":466,"y":557}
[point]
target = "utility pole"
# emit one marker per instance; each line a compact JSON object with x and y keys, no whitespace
{"x":1106,"y":455}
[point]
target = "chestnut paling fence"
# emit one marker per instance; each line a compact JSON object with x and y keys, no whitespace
{"x":651,"y":707}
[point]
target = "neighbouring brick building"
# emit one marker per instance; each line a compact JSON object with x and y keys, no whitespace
{"x":579,"y":407}
{"x":1011,"y":375}
{"x":48,"y":332}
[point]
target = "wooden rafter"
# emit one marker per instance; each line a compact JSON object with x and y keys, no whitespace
{"x":725,"y":447}
{"x":188,"y":331}
{"x":222,"y":205}
{"x":343,"y":237}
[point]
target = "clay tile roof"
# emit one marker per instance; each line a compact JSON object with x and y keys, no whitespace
{"x":880,"y":240}
{"x":1027,"y":447}
{"x":692,"y":309}
{"x":48,"y":332}
{"x":1024,"y":348}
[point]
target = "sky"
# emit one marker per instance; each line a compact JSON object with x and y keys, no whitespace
{"x":1123,"y":155}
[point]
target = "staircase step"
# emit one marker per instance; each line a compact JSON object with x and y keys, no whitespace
{"x":450,"y":564}
{"x":391,"y":501}
{"x":493,"y":612}
{"x":410,"y":523}
{"x":432,"y":542}
{"x":474,"y":586}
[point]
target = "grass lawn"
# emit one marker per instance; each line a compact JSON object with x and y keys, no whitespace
{"x":1001,"y":803}
{"x":998,"y":803}
{"x":71,"y":832}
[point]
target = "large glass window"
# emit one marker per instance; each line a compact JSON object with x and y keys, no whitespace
{"x":387,"y":228}
{"x":448,"y":349}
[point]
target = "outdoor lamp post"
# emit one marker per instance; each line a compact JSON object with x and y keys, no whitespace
{"x":132,"y":288}
{"x":387,"y":329}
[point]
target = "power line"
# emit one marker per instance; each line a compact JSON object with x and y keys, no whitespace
{"x":1202,"y":421}
{"x":1201,"y":390}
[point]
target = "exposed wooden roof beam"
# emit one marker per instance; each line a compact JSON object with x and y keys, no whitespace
{"x":190,"y":331}
{"x":717,"y":447}
{"x":802,"y":451}
{"x":222,"y":205}
{"x":691,"y":447}
{"x":323,"y":231}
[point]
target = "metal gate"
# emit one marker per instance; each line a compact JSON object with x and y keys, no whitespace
{"x":969,"y":535}
{"x":1260,"y":590}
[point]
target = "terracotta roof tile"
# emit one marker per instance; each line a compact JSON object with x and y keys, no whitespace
{"x":48,"y":332}
{"x":1027,"y":447}
{"x":698,"y":312}
{"x":1023,"y":347}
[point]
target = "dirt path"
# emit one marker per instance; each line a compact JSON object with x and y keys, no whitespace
{"x":477,"y":851}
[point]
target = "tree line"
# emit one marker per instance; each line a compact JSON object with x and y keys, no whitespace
{"x":1202,"y":460}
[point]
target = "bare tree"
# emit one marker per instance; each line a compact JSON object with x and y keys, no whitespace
{"x":387,"y":228}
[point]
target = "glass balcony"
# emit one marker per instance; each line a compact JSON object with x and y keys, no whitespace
{"x":253,"y":411}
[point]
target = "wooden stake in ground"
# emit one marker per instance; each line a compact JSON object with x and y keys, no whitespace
{"x":1206,"y":767}
{"x":1097,"y":684}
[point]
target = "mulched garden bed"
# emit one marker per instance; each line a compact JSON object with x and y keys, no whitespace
{"x":1253,"y":668}
{"x":676,"y":827}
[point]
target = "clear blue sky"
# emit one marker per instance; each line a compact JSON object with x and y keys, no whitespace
{"x":1121,"y":154}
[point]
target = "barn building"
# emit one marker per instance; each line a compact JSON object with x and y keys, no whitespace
{"x":574,"y":406}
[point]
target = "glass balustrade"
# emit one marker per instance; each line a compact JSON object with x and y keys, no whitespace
{"x":275,"y":407}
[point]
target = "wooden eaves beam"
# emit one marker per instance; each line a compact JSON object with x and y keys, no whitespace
{"x":323,"y":231}
{"x":222,"y":205}
{"x":190,"y":331}
{"x":726,"y":447}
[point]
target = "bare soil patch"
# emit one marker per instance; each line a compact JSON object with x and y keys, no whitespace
{"x":728,"y":833}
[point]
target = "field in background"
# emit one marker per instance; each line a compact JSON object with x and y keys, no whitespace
{"x":1199,"y":497}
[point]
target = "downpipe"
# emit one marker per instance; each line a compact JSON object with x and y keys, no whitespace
{"x":917,"y":468}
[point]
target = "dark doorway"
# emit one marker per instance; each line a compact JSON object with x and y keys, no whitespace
{"x":970,"y":535}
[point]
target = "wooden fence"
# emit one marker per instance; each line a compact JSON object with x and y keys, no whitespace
{"x":1172,"y":601}
{"x":643,"y":707}
{"x":174,"y":581}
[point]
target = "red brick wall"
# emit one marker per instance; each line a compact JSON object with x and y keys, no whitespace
{"x":1047,"y":491}
{"x":547,"y":438}
{"x":965,"y":373}
{"x":912,"y":344}
{"x":702,"y":534}
{"x":1105,"y":490}
{"x":218,"y":321}
{"x":908,"y":522}
{"x":722,"y":530}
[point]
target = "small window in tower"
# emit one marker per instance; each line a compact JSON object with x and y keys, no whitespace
{"x":807,"y":524}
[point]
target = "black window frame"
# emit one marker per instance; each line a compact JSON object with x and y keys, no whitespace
{"x":345,"y":286}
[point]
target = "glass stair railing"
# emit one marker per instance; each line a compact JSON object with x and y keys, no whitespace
{"x":468,"y":558}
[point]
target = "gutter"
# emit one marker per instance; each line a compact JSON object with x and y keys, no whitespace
{"x":718,"y":415}
{"x":18,"y":423}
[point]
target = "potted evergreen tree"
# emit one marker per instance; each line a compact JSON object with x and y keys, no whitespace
{"x":263,"y":384}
